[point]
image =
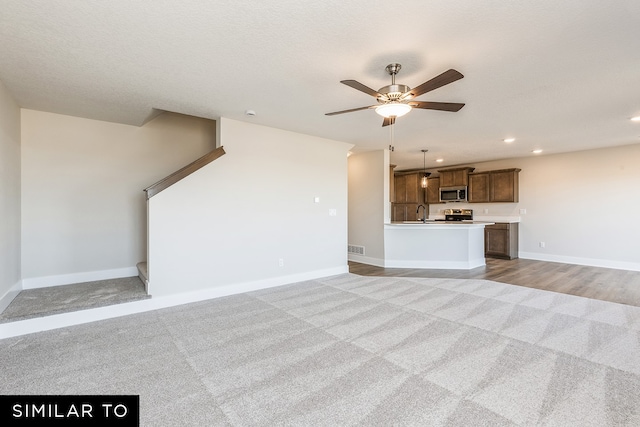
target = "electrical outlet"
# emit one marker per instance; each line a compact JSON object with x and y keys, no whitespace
{"x":333,"y":212}
{"x":542,"y":244}
{"x":523,"y":211}
{"x":486,"y":211}
{"x":281,"y":262}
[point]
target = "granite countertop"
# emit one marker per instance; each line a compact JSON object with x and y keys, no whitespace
{"x":486,"y":220}
{"x":441,"y":222}
{"x":481,"y":218}
{"x":494,"y":219}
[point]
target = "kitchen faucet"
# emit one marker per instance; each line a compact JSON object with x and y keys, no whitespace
{"x":424,"y":212}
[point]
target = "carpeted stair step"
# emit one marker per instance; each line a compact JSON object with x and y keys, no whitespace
{"x":143,"y":274}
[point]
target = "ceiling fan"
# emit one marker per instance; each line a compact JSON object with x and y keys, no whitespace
{"x":396,"y":100}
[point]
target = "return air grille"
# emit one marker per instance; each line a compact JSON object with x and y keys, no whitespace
{"x":357,"y":250}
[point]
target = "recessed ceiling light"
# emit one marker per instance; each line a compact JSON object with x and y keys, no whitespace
{"x":439,"y":160}
{"x":537,"y":151}
{"x":509,"y":140}
{"x":635,"y":119}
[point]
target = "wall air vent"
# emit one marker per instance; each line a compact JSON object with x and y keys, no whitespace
{"x":356,"y":250}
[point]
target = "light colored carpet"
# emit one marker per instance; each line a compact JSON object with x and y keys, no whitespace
{"x":41,"y":302}
{"x":353,"y":350}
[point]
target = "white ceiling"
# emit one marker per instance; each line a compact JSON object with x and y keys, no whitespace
{"x":556,"y":75}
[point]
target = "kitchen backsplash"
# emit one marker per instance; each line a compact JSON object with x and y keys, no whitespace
{"x":506,"y":212}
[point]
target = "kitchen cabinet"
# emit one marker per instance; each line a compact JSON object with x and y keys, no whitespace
{"x":498,"y":186}
{"x":433,"y":190}
{"x":478,"y":191}
{"x":405,"y":212}
{"x":501,"y":240}
{"x":455,"y":177}
{"x":407,"y":188}
{"x":504,"y":185}
{"x":408,"y":195}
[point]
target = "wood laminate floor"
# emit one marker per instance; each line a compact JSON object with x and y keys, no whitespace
{"x":621,"y":286}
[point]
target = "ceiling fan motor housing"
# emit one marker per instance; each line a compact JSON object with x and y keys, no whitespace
{"x":392,"y":92}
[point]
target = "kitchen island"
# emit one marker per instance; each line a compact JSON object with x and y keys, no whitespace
{"x":434,"y":244}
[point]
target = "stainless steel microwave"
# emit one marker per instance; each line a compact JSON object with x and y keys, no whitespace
{"x":453,"y":194}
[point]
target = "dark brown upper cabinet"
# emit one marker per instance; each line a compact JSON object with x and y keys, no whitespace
{"x":433,"y":190}
{"x":498,"y":186}
{"x":455,"y":177}
{"x":407,"y":188}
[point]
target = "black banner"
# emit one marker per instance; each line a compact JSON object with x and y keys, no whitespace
{"x":70,"y":410}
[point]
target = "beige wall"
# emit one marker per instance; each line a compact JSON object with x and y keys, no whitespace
{"x":230,"y":223}
{"x":9,"y":196}
{"x":369,"y":206}
{"x":83,"y":208}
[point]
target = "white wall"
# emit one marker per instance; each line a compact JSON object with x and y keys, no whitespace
{"x":228,"y":224}
{"x":9,"y":198}
{"x":83,"y":208}
{"x":369,"y":206}
{"x":583,"y":205}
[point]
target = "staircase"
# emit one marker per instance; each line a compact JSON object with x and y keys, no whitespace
{"x":152,"y":190}
{"x":143,"y":274}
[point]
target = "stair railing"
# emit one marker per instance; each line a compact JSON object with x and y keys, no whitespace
{"x":154,"y":189}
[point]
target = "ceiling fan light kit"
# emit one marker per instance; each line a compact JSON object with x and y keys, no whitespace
{"x":393,"y":109}
{"x":395,"y":100}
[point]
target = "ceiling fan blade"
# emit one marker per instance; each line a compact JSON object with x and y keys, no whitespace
{"x":445,"y":78}
{"x":388,"y":121}
{"x":350,"y":111}
{"x":362,"y":88}
{"x":443,"y":106}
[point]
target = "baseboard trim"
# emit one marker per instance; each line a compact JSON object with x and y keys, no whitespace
{"x":590,"y":262}
{"x":366,"y":260}
{"x":29,"y":326}
{"x":242,"y":287}
{"x":10,"y":295}
{"x":436,"y":265}
{"x":73,"y":278}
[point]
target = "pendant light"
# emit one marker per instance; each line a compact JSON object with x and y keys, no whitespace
{"x":424,"y":182}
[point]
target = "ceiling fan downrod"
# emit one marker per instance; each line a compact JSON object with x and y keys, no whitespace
{"x":393,"y":92}
{"x":393,"y":69}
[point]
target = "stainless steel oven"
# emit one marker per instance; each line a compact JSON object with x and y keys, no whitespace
{"x":458,"y":214}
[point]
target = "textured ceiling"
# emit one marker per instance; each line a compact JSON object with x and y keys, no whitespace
{"x":556,"y":75}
